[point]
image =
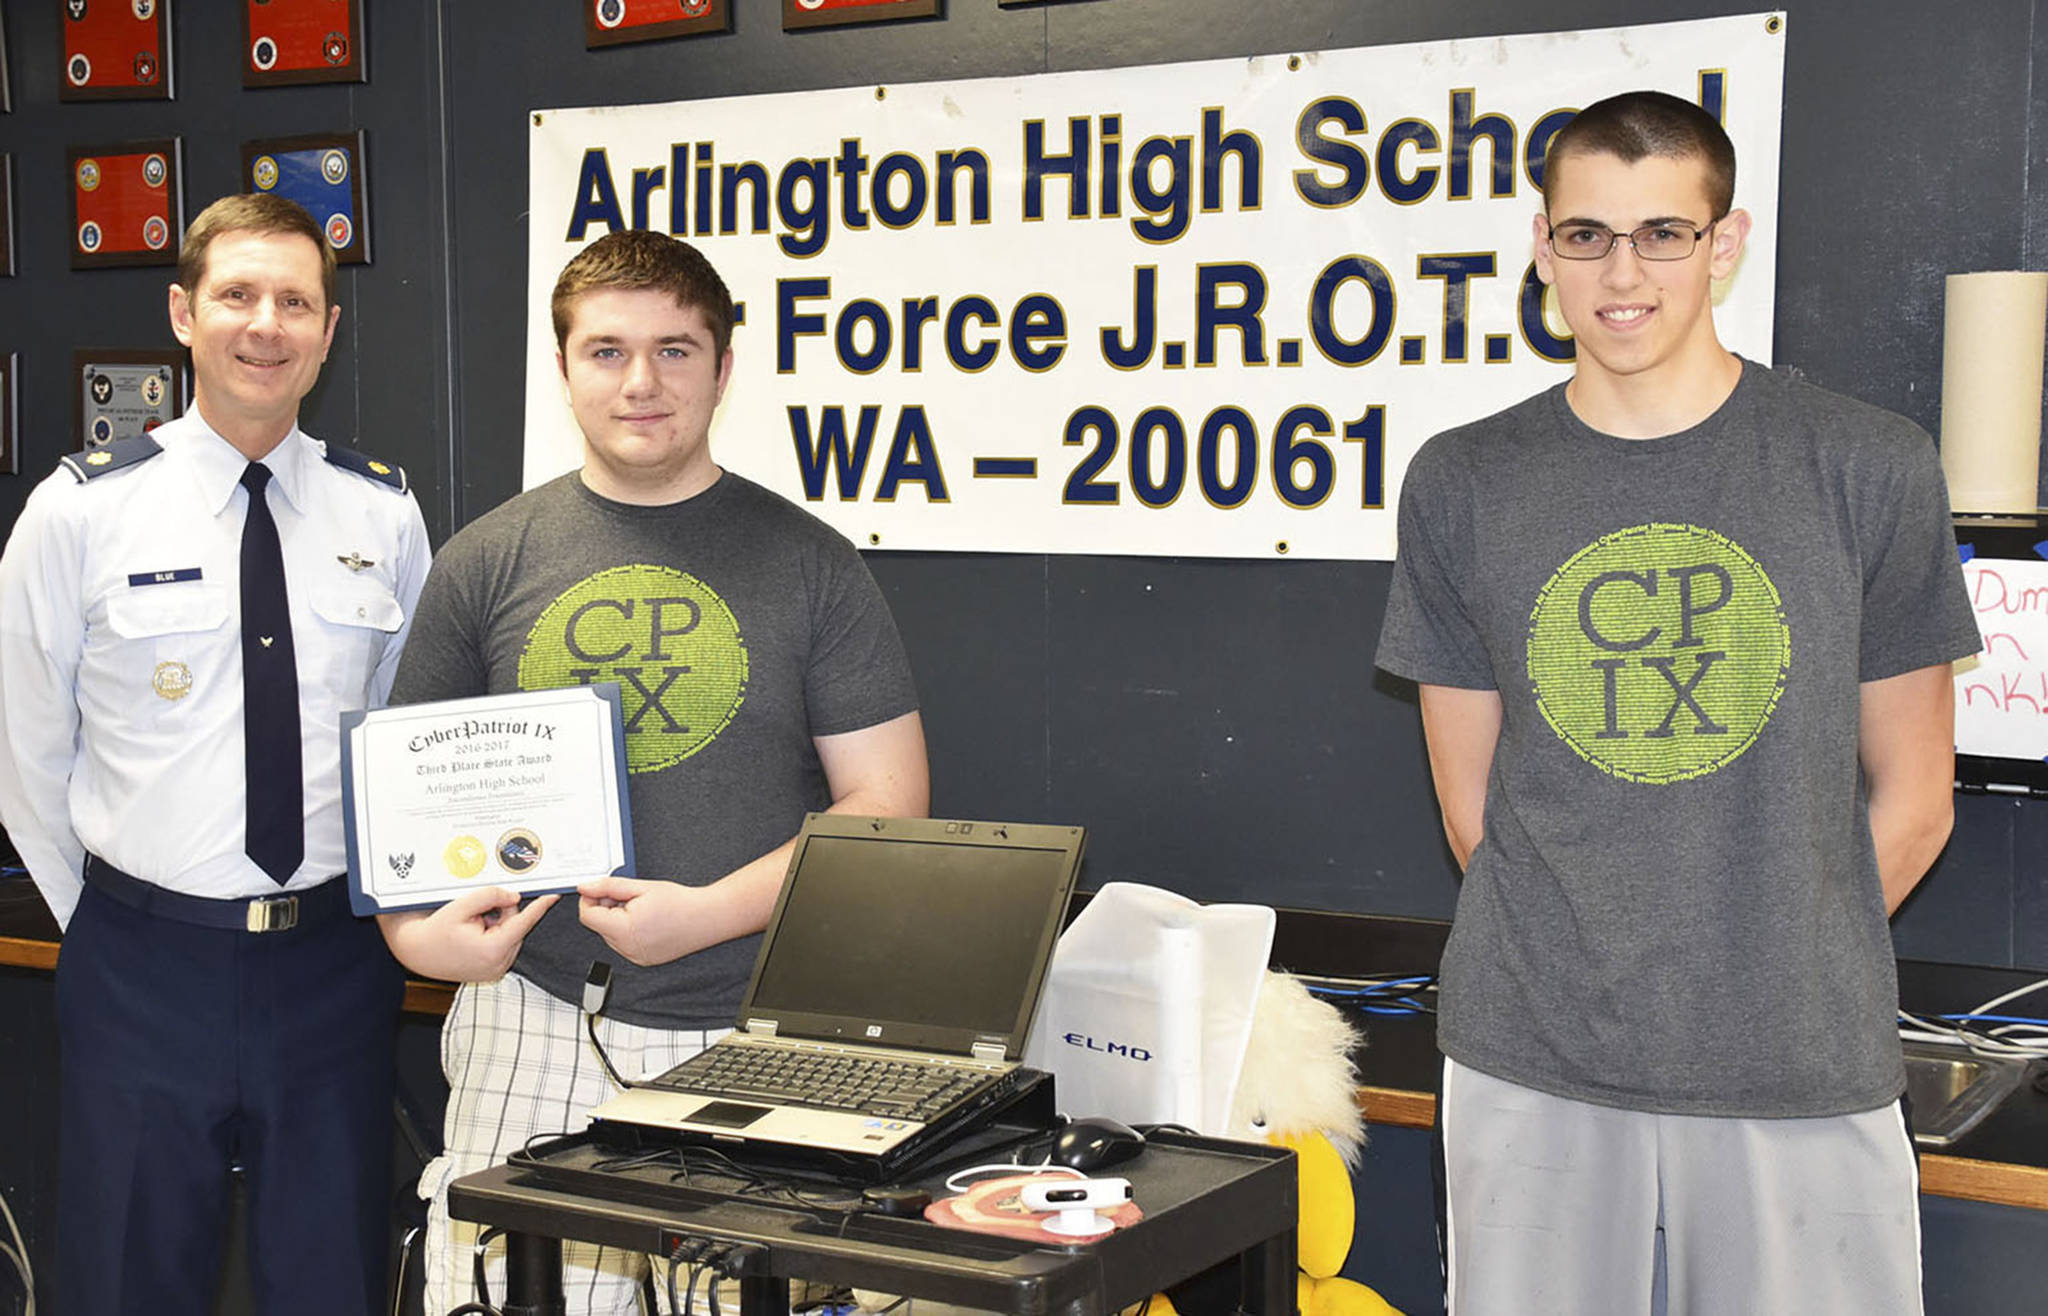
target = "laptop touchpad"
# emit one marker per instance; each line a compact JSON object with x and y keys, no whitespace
{"x":727,"y":1114}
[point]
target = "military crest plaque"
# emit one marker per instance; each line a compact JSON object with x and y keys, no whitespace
{"x":123,"y":392}
{"x":116,"y":50}
{"x":324,"y":172}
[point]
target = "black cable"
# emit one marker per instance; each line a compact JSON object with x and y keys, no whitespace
{"x":590,"y":1025}
{"x":689,"y":1293}
{"x":736,"y":1258}
{"x":597,"y":988}
{"x":683,"y":1251}
{"x":475,"y":1309}
{"x":537,"y":1146}
{"x":476,"y":1269}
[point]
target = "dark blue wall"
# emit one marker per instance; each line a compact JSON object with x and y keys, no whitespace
{"x":1217,"y":725}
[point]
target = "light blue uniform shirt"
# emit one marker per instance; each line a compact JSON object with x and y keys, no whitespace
{"x":121,"y":657}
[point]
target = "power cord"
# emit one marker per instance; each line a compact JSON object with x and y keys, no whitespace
{"x":716,"y":1264}
{"x":17,"y":1256}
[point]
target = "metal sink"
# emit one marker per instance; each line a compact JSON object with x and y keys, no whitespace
{"x":1952,"y":1089}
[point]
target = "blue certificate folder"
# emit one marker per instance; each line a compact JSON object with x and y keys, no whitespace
{"x":502,"y":842}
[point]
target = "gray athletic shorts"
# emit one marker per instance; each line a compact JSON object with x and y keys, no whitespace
{"x":1556,"y":1207}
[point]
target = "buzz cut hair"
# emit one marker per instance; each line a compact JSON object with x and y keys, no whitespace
{"x":634,"y":259}
{"x":251,"y":212}
{"x":1638,"y":124}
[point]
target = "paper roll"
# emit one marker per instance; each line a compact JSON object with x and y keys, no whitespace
{"x":1993,"y":336}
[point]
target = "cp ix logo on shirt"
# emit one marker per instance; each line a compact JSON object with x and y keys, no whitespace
{"x":1659,"y":652}
{"x":665,"y":636}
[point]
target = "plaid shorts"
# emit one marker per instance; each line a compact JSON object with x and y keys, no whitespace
{"x":520,"y":1066}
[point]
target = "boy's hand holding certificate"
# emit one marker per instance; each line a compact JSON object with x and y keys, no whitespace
{"x":523,"y":791}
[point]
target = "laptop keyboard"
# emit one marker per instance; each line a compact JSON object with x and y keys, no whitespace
{"x":868,"y":1085}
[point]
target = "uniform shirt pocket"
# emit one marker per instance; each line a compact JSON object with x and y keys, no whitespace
{"x":365,"y":604}
{"x":141,"y":614}
{"x":357,"y":619}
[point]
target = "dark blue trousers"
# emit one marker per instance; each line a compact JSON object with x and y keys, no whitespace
{"x":183,"y":1048}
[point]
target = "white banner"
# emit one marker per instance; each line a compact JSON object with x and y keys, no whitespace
{"x":1205,"y":309}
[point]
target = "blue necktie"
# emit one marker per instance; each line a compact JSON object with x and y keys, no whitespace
{"x":276,"y":833}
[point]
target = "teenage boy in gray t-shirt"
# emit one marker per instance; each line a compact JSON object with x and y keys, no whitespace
{"x":1682,"y":628}
{"x":762,"y":677}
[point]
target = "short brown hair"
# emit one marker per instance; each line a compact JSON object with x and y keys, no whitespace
{"x":633,"y":259}
{"x":251,"y":212}
{"x":1638,"y":124}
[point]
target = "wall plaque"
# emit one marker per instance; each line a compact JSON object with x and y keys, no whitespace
{"x":831,"y":13}
{"x":116,"y":50}
{"x":616,"y":22}
{"x":10,"y":414}
{"x":6,"y":215}
{"x":324,"y":172}
{"x":127,"y":203}
{"x":120,"y":392}
{"x":6,"y":97}
{"x":293,"y":42}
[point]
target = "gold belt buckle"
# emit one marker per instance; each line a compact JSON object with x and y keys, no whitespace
{"x":275,"y":914}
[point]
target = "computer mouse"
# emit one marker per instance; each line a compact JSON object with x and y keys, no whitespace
{"x":1092,"y":1143}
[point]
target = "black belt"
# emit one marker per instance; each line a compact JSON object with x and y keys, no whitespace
{"x":280,"y":913}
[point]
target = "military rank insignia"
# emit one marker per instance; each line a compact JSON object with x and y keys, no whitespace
{"x":116,"y":50}
{"x":324,"y":173}
{"x":127,"y":203}
{"x":292,"y":42}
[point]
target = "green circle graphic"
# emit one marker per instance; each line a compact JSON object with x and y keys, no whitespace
{"x":1659,"y":652}
{"x":665,"y":636}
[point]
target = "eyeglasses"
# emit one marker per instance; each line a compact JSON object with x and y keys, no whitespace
{"x":1651,"y":241}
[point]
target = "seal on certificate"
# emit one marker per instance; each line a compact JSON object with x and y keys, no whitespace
{"x":518,"y":851}
{"x":464,"y":857}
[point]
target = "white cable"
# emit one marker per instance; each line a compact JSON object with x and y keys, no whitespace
{"x":18,"y":1254}
{"x":2023,"y":1041}
{"x":956,"y":1181}
{"x":2013,"y":995}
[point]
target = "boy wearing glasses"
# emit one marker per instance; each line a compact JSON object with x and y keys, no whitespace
{"x":1682,"y":628}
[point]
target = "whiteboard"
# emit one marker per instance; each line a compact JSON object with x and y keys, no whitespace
{"x":2002,"y":693}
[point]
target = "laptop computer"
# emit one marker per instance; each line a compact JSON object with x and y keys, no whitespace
{"x":889,"y":1003}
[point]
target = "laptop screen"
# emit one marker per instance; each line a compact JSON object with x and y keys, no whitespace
{"x":915,"y":932}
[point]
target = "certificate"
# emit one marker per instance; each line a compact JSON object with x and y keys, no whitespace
{"x":524,"y":791}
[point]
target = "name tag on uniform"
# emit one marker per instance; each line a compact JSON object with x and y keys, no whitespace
{"x":136,"y":578}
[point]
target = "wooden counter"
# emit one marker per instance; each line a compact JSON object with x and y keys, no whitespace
{"x":2003,"y":1160}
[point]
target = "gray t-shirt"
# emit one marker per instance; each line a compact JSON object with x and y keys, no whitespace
{"x":739,"y":627}
{"x":1675,"y":905}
